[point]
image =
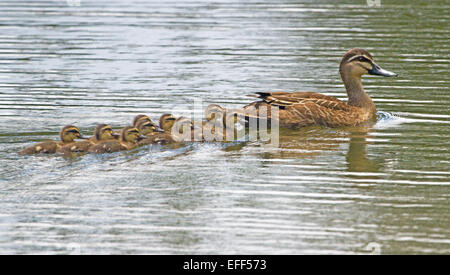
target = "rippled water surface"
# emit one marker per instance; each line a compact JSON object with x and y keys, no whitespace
{"x":379,"y":188}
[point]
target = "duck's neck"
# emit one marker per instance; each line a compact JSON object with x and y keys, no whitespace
{"x":356,"y":95}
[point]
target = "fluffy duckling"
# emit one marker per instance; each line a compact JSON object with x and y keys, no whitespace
{"x":185,"y":130}
{"x":152,"y":134}
{"x":135,"y":121}
{"x":67,"y":135}
{"x":166,"y":122}
{"x":129,"y":138}
{"x":219,"y":121}
{"x":102,"y":132}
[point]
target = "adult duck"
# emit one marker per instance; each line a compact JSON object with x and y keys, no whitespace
{"x":298,"y":109}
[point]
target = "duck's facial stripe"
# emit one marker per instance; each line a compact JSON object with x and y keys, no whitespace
{"x":361,"y":58}
{"x":133,"y":131}
{"x":72,"y":130}
{"x":104,"y":129}
{"x":148,"y":124}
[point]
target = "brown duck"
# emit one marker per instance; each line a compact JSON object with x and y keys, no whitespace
{"x":129,"y":138}
{"x":166,"y":121}
{"x":67,"y":135}
{"x":298,"y":109}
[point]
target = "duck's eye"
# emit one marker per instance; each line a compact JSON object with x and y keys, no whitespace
{"x":363,"y":59}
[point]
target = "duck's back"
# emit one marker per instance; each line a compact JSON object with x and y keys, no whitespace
{"x":76,"y":147}
{"x":300,"y":109}
{"x":45,"y":147}
{"x":157,"y":138}
{"x":107,"y":147}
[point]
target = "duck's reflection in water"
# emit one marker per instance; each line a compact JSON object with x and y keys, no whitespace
{"x":314,"y":142}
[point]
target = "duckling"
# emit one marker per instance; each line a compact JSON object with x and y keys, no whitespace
{"x":221,"y":123}
{"x":128,"y":140}
{"x":152,"y":134}
{"x":67,"y":135}
{"x":214,"y":112}
{"x":166,"y":122}
{"x":185,"y":130}
{"x":299,"y":109}
{"x":102,"y":132}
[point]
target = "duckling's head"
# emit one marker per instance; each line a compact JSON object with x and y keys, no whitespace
{"x":140,"y":118}
{"x":358,"y":62}
{"x":130,"y":134}
{"x":213,"y":111}
{"x":146,"y":127}
{"x":69,"y":133}
{"x":166,"y":122}
{"x":104,"y":132}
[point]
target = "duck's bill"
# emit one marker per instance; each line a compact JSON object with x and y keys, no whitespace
{"x":115,"y":135}
{"x":159,"y":130}
{"x":141,"y":137}
{"x":377,"y":70}
{"x":83,"y":137}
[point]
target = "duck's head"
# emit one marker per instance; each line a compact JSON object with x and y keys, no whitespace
{"x":214,"y":111}
{"x":358,"y":62}
{"x":104,"y":132}
{"x":131,"y":134}
{"x":166,"y":122}
{"x":146,"y":127}
{"x":69,"y":133}
{"x":137,"y":119}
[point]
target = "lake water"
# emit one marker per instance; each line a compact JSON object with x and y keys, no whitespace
{"x":379,"y":188}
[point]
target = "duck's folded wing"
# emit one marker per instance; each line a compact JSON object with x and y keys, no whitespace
{"x":301,"y":109}
{"x":283,"y":99}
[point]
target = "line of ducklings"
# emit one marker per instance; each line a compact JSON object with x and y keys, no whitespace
{"x":143,"y":132}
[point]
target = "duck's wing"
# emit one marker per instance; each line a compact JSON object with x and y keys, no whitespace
{"x":284,"y":99}
{"x":46,"y":147}
{"x":107,"y":147}
{"x":302,"y":108}
{"x":76,"y":147}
